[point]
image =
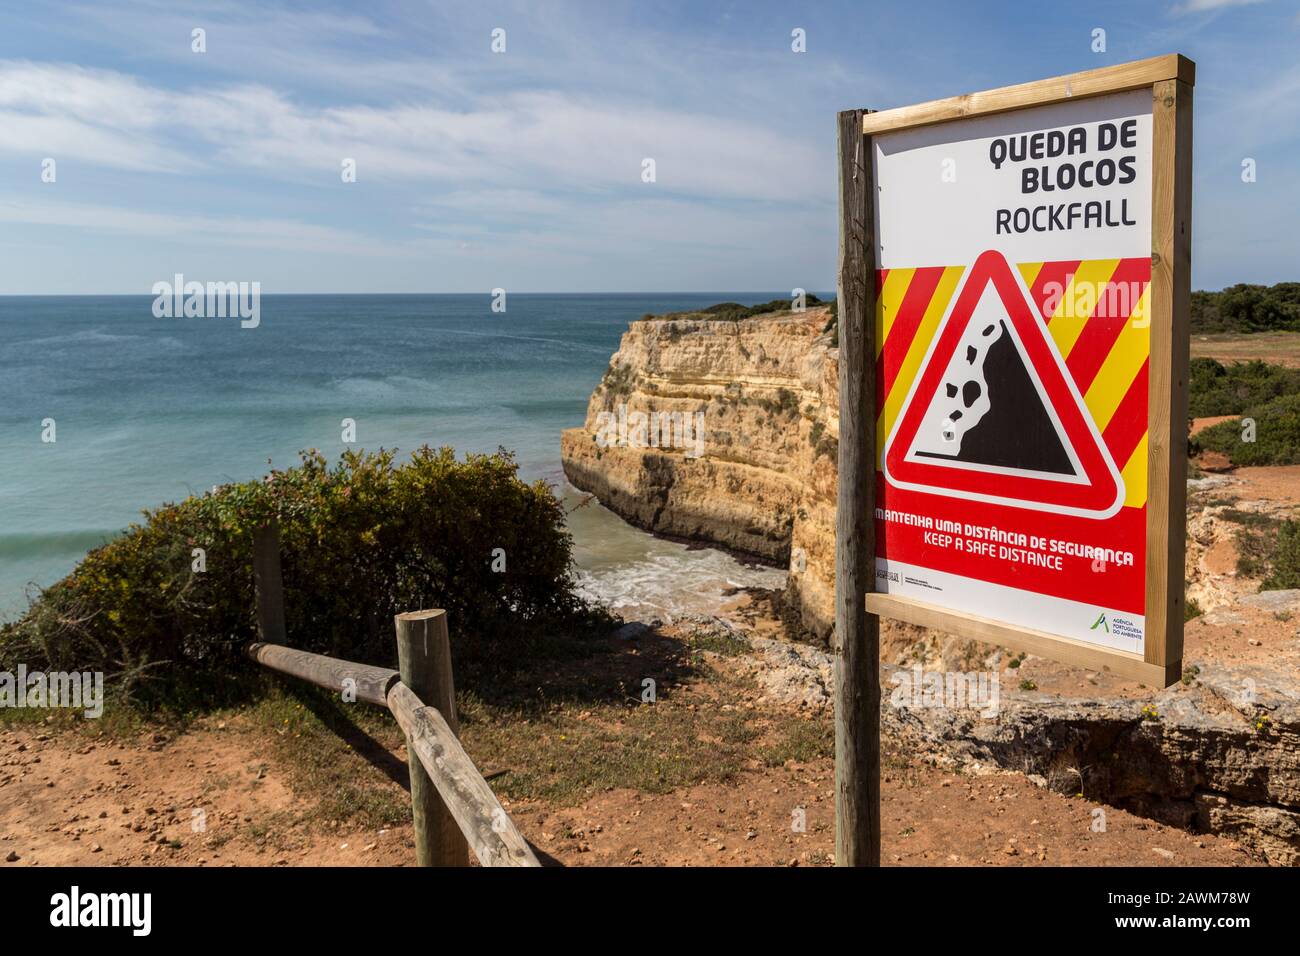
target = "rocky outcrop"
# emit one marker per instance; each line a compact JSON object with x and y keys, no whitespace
{"x":763,"y":481}
{"x":1219,"y":756}
{"x":1218,"y":753}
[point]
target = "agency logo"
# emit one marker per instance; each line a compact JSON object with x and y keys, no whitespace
{"x":1102,"y":623}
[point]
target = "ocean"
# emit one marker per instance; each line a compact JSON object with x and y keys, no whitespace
{"x":149,"y":410}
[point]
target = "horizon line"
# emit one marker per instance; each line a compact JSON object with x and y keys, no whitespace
{"x":489,"y":294}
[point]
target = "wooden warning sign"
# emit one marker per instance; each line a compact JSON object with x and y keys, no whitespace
{"x":1013,"y":294}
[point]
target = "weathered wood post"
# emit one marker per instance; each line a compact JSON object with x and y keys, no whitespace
{"x":268,"y":584}
{"x":424,"y":660}
{"x":857,"y":633}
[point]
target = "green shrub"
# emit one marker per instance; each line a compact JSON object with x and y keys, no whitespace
{"x":735,"y":311}
{"x":1247,"y":308}
{"x":1255,"y":540}
{"x":1229,"y":390}
{"x":360,"y":542}
{"x":1286,"y":559}
{"x":785,"y":403}
{"x":1277,"y":435}
{"x":833,"y":326}
{"x":1268,"y":548}
{"x":618,"y":380}
{"x":823,"y":443}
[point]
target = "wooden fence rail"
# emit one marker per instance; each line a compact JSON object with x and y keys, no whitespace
{"x":371,"y":683}
{"x":452,"y":804}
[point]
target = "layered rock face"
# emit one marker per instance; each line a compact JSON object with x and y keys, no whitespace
{"x":1219,"y":756}
{"x":761,"y":478}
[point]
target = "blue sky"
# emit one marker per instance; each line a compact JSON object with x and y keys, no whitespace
{"x":522,"y":170}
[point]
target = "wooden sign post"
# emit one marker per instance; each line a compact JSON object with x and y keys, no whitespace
{"x":857,"y":633}
{"x":1014,"y":281}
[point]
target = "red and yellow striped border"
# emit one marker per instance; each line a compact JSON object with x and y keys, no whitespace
{"x":1103,"y":338}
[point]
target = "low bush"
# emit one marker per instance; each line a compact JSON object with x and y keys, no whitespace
{"x":1255,"y":539}
{"x":1285,"y":572}
{"x":1247,"y":308}
{"x":823,"y":443}
{"x":1268,"y":548}
{"x":360,"y":542}
{"x":735,"y":311}
{"x":785,"y":403}
{"x":1216,"y":389}
{"x":1277,"y":435}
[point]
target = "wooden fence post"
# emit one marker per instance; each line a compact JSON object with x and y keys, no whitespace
{"x":857,"y":633}
{"x":424,"y":660}
{"x":268,"y":584}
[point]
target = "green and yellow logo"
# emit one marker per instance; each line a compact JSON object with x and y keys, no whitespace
{"x":1101,"y":622}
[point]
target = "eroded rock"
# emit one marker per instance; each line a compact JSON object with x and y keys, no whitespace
{"x":1222,"y":755}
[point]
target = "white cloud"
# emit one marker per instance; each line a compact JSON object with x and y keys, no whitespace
{"x":512,"y":140}
{"x":263,"y":233}
{"x":1205,"y":6}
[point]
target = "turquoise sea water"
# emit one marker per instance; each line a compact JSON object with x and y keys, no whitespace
{"x":149,"y":410}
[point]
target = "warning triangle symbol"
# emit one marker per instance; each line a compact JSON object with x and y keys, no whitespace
{"x":994,"y":415}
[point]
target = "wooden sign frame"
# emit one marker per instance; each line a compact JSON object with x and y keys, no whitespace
{"x":1170,"y":79}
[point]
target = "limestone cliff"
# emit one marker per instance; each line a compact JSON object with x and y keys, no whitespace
{"x":763,"y":482}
